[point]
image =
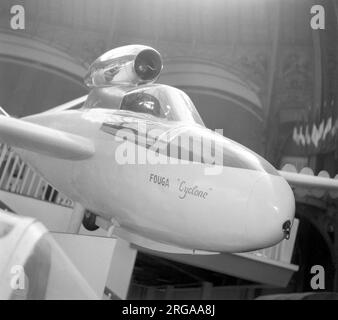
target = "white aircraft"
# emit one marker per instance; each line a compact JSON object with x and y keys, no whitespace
{"x":121,"y":156}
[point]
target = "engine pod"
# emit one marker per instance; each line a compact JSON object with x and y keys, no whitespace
{"x":134,"y":64}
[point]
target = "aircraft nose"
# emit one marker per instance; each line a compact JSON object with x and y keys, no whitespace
{"x":271,"y":209}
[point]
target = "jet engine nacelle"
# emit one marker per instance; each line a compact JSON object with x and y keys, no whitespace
{"x":134,"y":64}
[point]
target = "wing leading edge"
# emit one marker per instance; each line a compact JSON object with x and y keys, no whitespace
{"x":309,"y":181}
{"x":51,"y":142}
{"x":305,"y":182}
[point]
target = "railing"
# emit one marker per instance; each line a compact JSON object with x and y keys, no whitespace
{"x":18,"y":177}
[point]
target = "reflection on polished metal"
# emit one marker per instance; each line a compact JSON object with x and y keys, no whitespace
{"x":134,"y":64}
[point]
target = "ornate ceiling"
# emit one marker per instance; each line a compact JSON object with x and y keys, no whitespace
{"x":266,"y":44}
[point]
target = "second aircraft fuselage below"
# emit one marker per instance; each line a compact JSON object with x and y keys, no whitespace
{"x":241,"y":207}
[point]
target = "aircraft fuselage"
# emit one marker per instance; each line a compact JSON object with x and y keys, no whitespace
{"x":241,"y":208}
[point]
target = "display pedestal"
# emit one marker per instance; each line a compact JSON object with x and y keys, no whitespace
{"x":106,"y":263}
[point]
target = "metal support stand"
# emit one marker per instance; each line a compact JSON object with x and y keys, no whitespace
{"x":76,"y":219}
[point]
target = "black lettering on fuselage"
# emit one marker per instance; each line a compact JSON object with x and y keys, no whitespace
{"x":160,"y":180}
{"x":194,"y":191}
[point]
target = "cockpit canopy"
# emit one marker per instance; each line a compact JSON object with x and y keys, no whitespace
{"x":158,"y":100}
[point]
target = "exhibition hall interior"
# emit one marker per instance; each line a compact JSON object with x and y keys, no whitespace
{"x":263,"y":72}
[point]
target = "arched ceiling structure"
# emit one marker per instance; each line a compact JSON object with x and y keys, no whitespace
{"x":35,"y":76}
{"x":238,"y":38}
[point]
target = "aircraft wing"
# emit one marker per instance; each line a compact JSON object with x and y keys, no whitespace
{"x":51,"y":142}
{"x":306,"y":180}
